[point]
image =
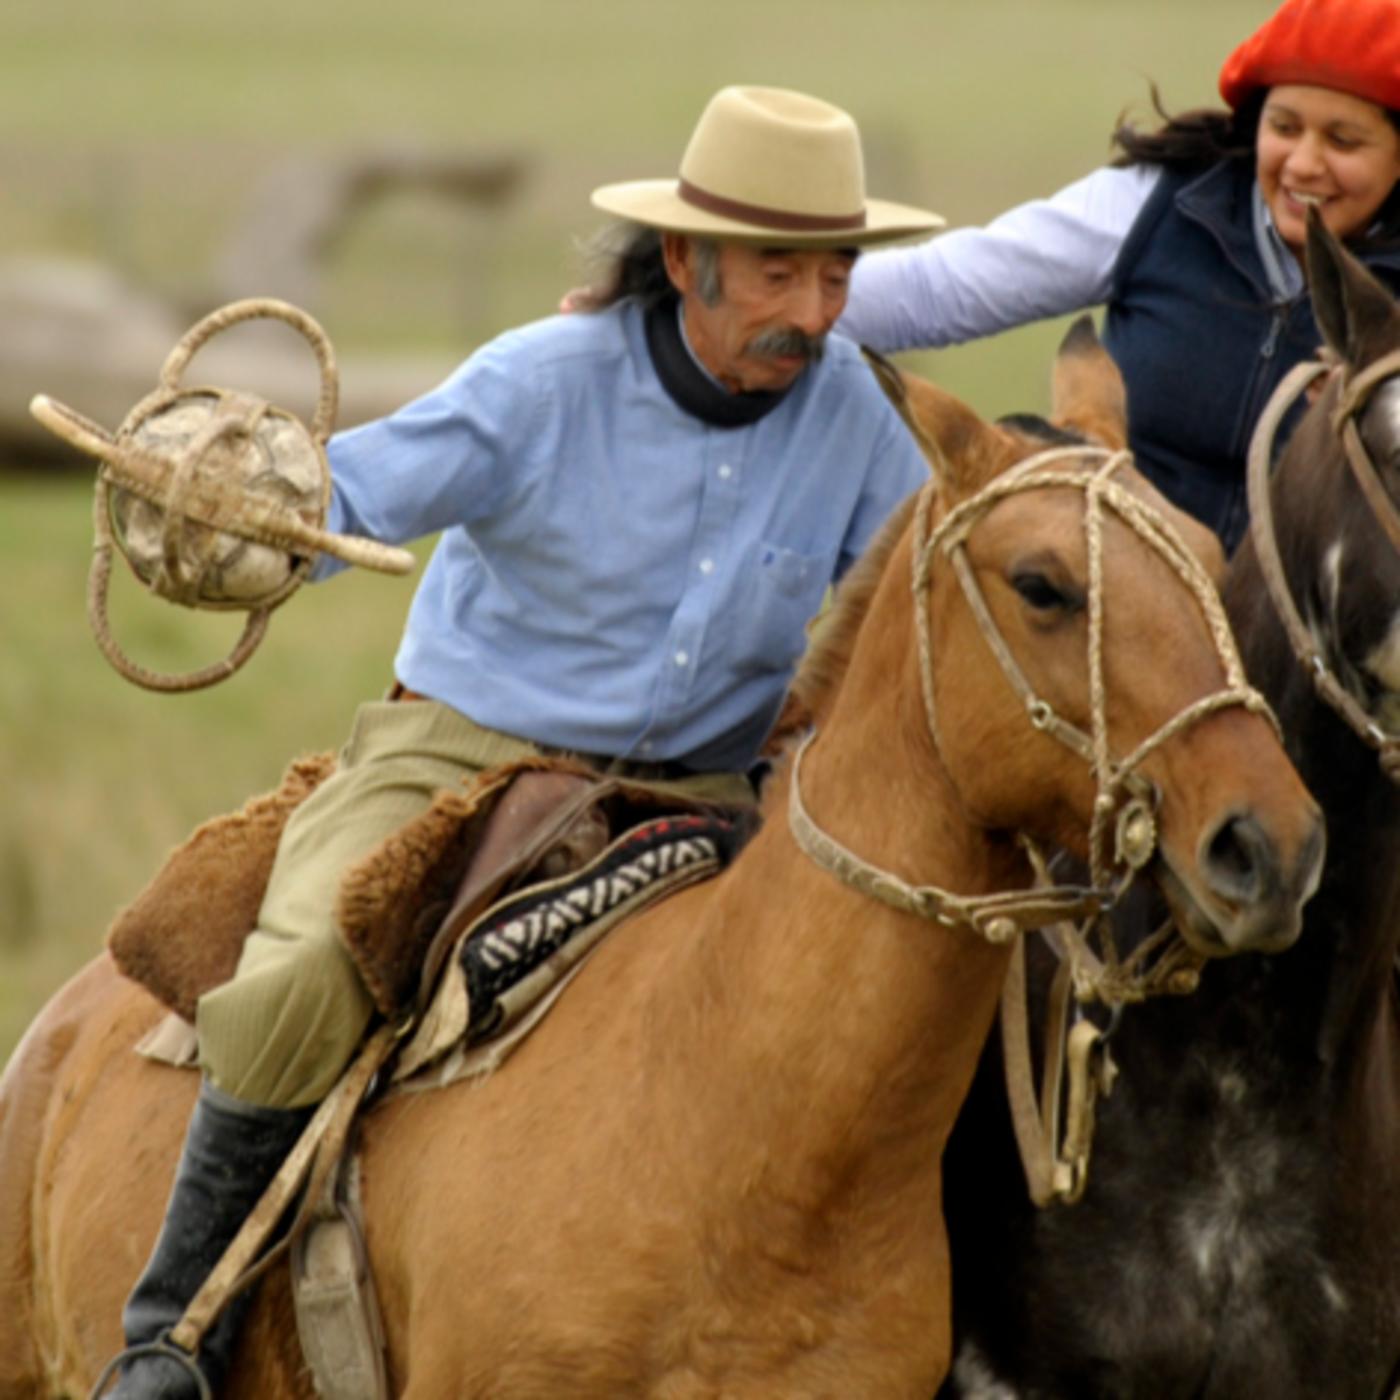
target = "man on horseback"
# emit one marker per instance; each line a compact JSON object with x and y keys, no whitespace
{"x":640,"y":510}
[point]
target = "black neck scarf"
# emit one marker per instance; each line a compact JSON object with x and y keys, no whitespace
{"x":691,"y":388}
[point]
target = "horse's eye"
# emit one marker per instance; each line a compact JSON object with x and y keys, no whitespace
{"x":1040,"y":593}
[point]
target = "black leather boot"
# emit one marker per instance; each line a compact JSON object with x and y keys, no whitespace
{"x":232,"y":1151}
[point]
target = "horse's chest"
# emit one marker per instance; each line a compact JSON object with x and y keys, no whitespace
{"x":1234,"y":1225}
{"x":1254,"y":1283}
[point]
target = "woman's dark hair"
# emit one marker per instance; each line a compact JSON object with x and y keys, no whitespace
{"x":1205,"y":136}
{"x":1191,"y":140}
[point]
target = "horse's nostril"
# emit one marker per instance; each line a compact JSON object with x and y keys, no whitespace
{"x":1239,"y":859}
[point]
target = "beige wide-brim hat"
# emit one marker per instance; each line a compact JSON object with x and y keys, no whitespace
{"x":772,"y":166}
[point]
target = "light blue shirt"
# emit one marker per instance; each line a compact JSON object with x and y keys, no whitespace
{"x":1280,"y":266}
{"x":615,"y":575}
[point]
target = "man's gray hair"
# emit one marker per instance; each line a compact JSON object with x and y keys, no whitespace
{"x":629,"y":263}
{"x":707,"y":284}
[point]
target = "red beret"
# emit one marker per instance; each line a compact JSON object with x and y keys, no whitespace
{"x":1350,"y":45}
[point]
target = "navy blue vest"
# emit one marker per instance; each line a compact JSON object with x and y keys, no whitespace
{"x":1200,"y":341}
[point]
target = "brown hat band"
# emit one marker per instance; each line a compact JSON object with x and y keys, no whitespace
{"x":779,"y":219}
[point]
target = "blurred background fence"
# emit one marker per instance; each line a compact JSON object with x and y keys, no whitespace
{"x":417,"y":176}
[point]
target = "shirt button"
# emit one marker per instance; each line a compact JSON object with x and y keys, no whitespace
{"x":707,"y":566}
{"x":682,"y":658}
{"x":725,"y":472}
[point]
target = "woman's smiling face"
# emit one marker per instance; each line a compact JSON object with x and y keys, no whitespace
{"x":1320,"y":147}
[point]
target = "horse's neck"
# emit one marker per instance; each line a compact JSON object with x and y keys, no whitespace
{"x":855,"y":1027}
{"x":1347,"y":952}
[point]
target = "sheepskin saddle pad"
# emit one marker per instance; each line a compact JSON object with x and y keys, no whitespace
{"x":504,"y":872}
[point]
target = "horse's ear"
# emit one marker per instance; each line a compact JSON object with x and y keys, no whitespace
{"x":1354,"y":312}
{"x":963,"y":451}
{"x":1086,"y":390}
{"x":895,"y":384}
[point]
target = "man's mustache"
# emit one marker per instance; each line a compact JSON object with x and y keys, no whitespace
{"x":787,"y":340}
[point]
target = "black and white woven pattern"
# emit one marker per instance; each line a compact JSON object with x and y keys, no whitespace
{"x":525,"y":930}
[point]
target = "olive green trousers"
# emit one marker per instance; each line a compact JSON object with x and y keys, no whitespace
{"x":280,"y":1032}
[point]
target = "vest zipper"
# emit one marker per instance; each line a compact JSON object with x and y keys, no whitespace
{"x":1275,"y":330}
{"x":1256,"y":395}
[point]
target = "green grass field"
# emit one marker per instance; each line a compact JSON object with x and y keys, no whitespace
{"x":131,"y":133}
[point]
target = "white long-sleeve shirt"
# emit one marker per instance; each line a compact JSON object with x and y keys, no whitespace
{"x":1046,"y":258}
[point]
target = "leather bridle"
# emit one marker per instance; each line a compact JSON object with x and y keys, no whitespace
{"x":1356,"y":390}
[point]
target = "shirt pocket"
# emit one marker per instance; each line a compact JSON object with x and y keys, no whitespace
{"x":774,"y":600}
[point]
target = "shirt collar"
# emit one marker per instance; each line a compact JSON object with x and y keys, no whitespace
{"x":690,"y":349}
{"x":1280,"y":266}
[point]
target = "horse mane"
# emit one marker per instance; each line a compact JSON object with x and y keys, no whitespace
{"x":833,"y":638}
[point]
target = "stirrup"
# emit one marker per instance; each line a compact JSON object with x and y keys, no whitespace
{"x":162,"y":1346}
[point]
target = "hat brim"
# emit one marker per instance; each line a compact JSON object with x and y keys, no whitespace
{"x":657,"y":204}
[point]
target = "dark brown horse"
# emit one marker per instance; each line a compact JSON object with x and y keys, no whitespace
{"x":712,"y":1170}
{"x":1240,"y":1235}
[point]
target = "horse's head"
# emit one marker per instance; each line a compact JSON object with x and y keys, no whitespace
{"x":1331,"y":509}
{"x":1050,"y":558}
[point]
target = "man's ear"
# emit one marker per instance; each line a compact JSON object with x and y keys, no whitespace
{"x":679,"y":258}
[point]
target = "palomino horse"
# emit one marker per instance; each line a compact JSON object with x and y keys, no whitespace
{"x":712,"y":1170}
{"x":1240,"y":1234}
